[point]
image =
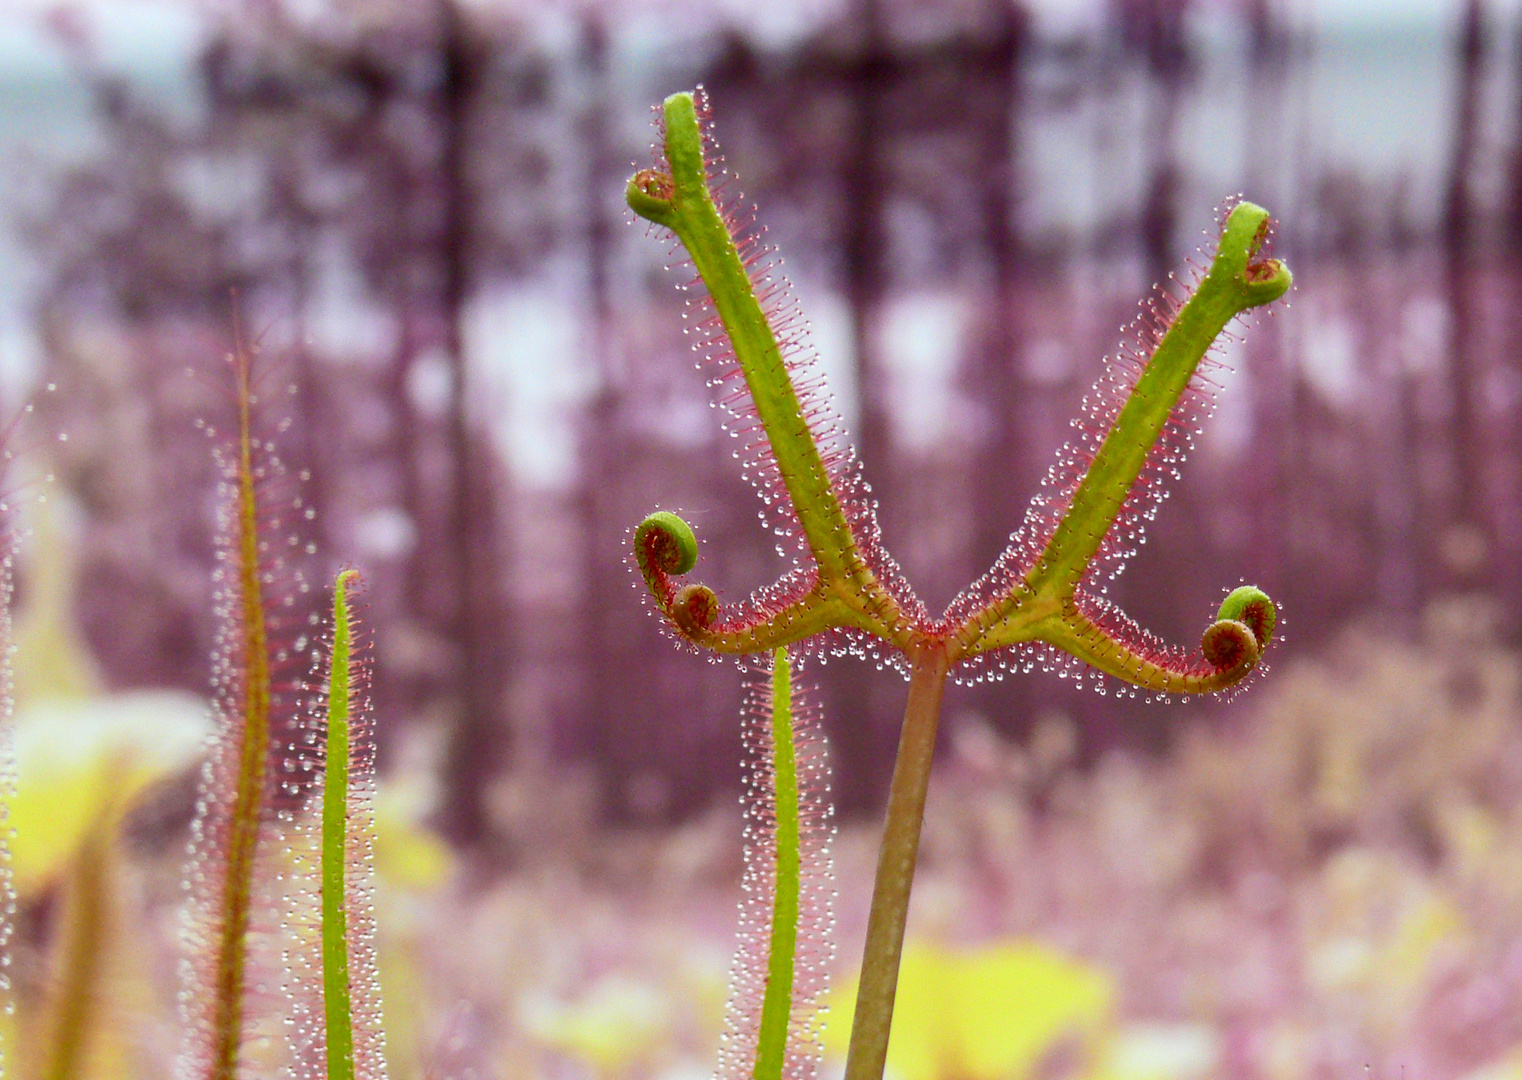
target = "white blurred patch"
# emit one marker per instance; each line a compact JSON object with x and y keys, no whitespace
{"x":525,"y":351}
{"x":1330,"y":360}
{"x":385,"y":533}
{"x":1165,"y":1052}
{"x":921,"y":338}
{"x":161,"y":730}
{"x":834,"y":341}
{"x":1424,"y":330}
{"x":1229,"y":432}
{"x":429,"y":384}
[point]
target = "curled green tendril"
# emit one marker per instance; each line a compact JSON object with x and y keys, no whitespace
{"x":665,"y":542}
{"x":1250,"y":605}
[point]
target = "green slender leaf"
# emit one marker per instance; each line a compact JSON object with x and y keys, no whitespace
{"x":335,"y":821}
{"x":776,"y":1008}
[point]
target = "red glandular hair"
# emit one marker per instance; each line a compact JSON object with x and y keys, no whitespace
{"x":815,"y":950}
{"x":230,"y":1002}
{"x":726,"y":380}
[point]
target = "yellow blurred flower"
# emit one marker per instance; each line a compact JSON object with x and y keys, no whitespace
{"x":620,"y":1021}
{"x":990,"y":1013}
{"x":78,"y":759}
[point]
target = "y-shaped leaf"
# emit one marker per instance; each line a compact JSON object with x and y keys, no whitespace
{"x":1042,"y":606}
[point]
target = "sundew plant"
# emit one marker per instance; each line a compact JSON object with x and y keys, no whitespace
{"x":1042,"y":603}
{"x":279,"y":973}
{"x":280,"y":967}
{"x":252,"y":887}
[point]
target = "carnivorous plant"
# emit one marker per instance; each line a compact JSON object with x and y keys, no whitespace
{"x":1042,"y":601}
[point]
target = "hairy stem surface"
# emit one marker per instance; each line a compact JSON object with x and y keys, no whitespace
{"x":895,"y":868}
{"x":776,"y":1009}
{"x":335,"y":832}
{"x":243,"y":828}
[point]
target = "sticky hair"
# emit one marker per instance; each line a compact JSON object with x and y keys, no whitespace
{"x":259,"y":588}
{"x":1098,"y":412}
{"x":731,"y":396}
{"x":815,"y":950}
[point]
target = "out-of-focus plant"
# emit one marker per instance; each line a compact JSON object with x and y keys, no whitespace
{"x":235,"y":867}
{"x":85,"y":763}
{"x":1043,"y":600}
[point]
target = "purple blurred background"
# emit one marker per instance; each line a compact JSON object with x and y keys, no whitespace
{"x":419,"y":205}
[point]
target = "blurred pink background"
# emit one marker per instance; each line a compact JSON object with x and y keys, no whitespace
{"x":419,"y":206}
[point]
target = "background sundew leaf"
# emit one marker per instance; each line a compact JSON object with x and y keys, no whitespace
{"x":342,"y":1037}
{"x":256,"y":583}
{"x":786,"y":919}
{"x":7,"y":795}
{"x":771,"y":1046}
{"x":81,"y":953}
{"x":335,"y":829}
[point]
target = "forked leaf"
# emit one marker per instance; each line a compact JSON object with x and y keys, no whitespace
{"x":1041,"y":598}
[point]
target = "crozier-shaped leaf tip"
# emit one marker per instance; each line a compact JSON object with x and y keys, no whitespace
{"x":664,"y":545}
{"x":753,"y":343}
{"x":784,"y":953}
{"x":1243,"y":628}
